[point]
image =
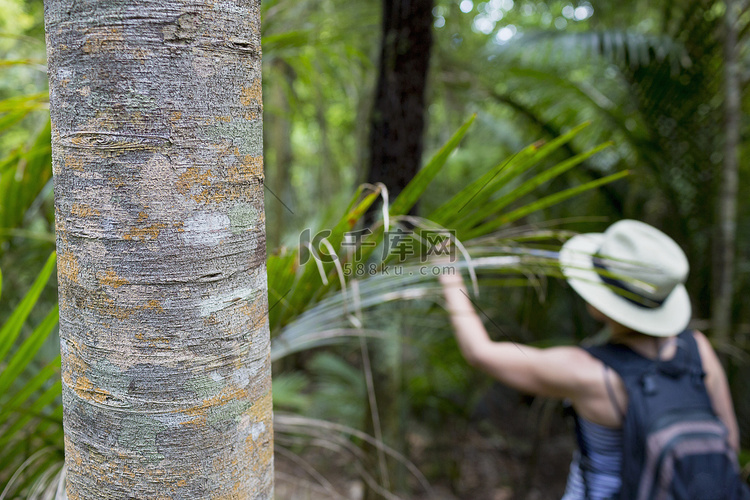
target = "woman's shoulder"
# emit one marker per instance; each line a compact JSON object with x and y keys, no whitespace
{"x":709,"y":359}
{"x":702,"y":340}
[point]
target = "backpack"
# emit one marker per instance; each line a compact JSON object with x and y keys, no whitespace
{"x":674,"y":445}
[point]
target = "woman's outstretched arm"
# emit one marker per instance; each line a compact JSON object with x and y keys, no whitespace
{"x":555,"y":372}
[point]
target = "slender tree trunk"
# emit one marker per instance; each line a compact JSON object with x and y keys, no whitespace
{"x":157,"y":156}
{"x":398,"y":110}
{"x":727,"y":209}
{"x":396,"y":139}
{"x":280,"y":143}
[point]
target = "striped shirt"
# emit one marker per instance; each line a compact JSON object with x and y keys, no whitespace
{"x":604,"y":446}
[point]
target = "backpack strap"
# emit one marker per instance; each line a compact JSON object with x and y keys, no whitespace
{"x":629,"y":364}
{"x":611,"y":394}
{"x":692,"y":361}
{"x":626,"y":362}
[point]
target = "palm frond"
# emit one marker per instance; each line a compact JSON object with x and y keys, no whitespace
{"x":629,"y":48}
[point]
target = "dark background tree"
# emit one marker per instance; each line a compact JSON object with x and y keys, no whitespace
{"x":398,"y":112}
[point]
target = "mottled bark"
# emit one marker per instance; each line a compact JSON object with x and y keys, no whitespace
{"x":398,"y":110}
{"x":157,"y":157}
{"x":724,"y":246}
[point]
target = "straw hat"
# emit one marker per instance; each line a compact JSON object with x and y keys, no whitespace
{"x":634,"y":274}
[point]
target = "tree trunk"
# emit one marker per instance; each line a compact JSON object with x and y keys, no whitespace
{"x":396,"y":133}
{"x":398,"y":110}
{"x":279,"y":140}
{"x":727,"y":210}
{"x":157,"y":157}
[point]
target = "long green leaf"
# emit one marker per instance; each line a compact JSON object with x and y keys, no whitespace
{"x":540,"y":204}
{"x":26,"y":352}
{"x":10,"y":160}
{"x":411,"y":193}
{"x":19,"y":398}
{"x":12,"y":118}
{"x":495,"y":206}
{"x":20,"y":62}
{"x":10,"y":330}
{"x":35,"y":411}
{"x":477,"y":194}
{"x":28,"y":101}
{"x":461,"y":200}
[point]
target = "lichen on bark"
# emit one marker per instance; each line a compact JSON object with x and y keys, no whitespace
{"x":157,"y":158}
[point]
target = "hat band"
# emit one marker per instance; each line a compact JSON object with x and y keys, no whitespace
{"x":645,"y":302}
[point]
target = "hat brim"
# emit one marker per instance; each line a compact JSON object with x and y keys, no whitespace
{"x":576,"y":262}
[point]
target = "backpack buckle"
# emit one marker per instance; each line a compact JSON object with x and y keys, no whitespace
{"x":649,"y":384}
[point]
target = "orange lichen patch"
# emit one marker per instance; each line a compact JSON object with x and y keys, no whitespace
{"x":84,"y":90}
{"x":226,"y":192}
{"x":192,"y":177}
{"x":144,"y":233}
{"x":226,"y":395}
{"x":239,"y":489}
{"x":250,"y":169}
{"x":106,"y":307}
{"x":151,"y":340}
{"x":67,"y":266}
{"x":154,"y":304}
{"x":115,"y":182}
{"x":255,"y":310}
{"x":83,"y":210}
{"x":71,"y":452}
{"x":252,"y":94}
{"x":225,"y":119}
{"x":100,"y":301}
{"x":261,"y":410}
{"x":175,"y":116}
{"x":200,"y":421}
{"x":86,"y":390}
{"x":111,"y":278}
{"x":210,"y":320}
{"x":251,"y":115}
{"x":74,"y":163}
{"x":262,"y":448}
{"x":74,"y":361}
{"x":141,"y":55}
{"x":104,"y":39}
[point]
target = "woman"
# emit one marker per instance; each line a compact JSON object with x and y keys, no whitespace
{"x":632,"y":278}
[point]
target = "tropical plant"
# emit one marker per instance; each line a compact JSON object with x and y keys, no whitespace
{"x":30,"y":406}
